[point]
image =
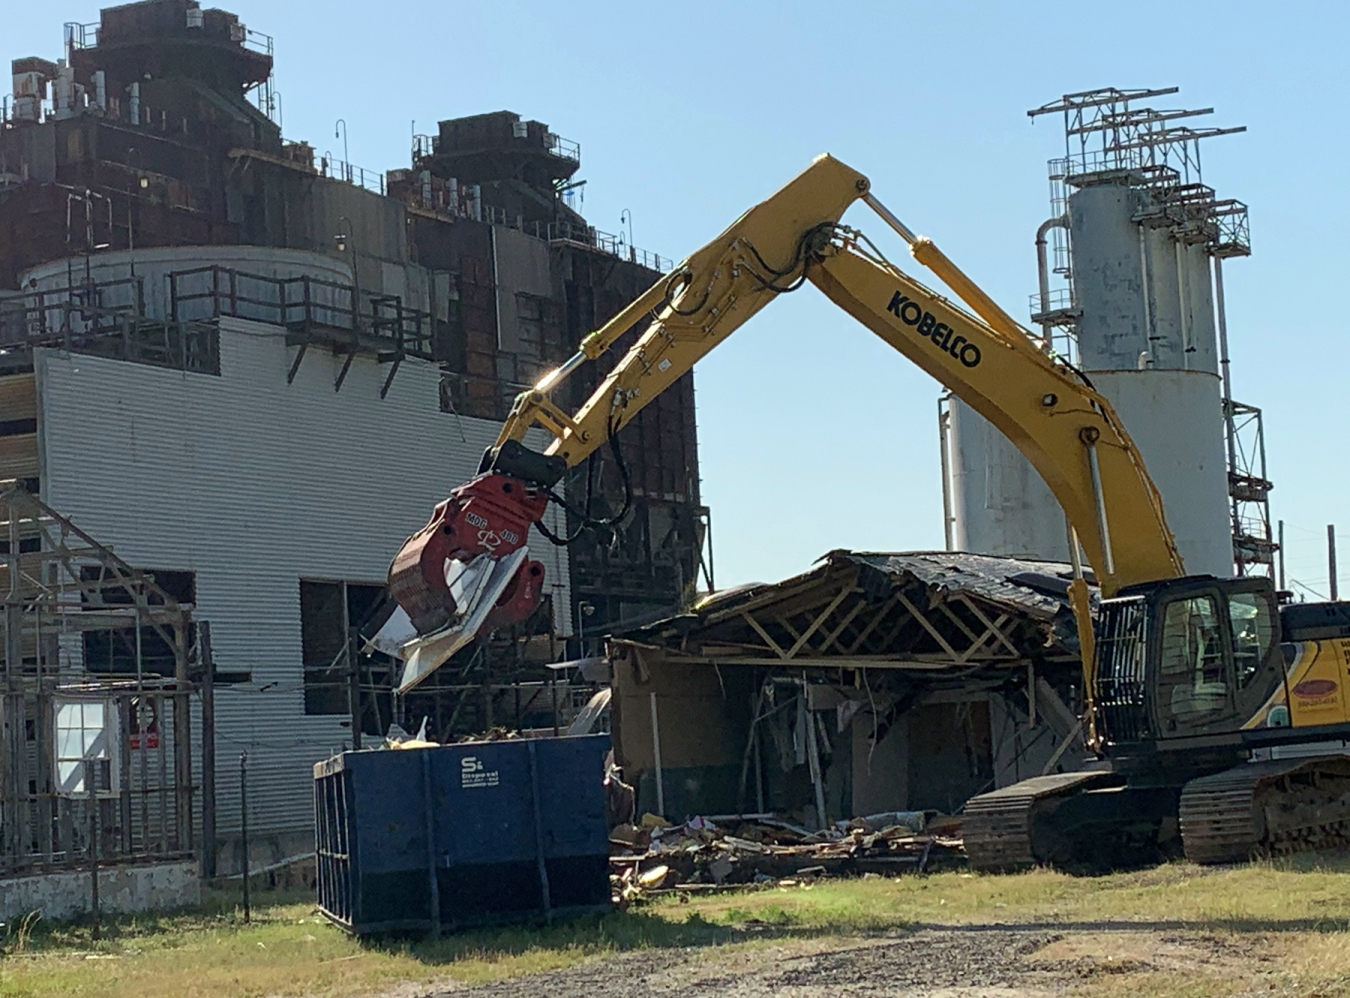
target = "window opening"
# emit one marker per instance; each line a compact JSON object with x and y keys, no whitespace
{"x":1192,"y":674}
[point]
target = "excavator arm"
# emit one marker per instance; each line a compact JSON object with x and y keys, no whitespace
{"x":1068,"y":431}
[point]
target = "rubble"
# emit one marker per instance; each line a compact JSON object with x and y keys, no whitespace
{"x":712,"y":853}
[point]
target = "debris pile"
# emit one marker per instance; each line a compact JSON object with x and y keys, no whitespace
{"x":706,"y":854}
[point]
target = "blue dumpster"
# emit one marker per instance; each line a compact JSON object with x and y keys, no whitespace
{"x":433,"y":838}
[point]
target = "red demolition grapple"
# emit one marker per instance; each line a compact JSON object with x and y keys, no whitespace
{"x":491,"y":516}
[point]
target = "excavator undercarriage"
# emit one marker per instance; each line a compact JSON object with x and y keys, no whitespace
{"x":1099,"y":819}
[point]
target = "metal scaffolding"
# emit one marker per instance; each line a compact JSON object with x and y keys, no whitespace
{"x":96,"y":710}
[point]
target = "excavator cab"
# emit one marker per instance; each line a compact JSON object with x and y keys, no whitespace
{"x":1191,"y":656}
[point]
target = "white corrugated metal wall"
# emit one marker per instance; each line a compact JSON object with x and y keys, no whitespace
{"x":255,"y":484}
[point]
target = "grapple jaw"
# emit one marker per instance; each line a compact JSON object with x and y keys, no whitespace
{"x":450,"y":572}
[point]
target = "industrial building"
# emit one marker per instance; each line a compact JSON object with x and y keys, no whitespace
{"x":251,"y":370}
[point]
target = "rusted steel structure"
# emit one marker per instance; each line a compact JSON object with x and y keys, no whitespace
{"x":159,"y":129}
{"x":100,"y":692}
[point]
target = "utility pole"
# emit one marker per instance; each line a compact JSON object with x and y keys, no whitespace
{"x":1283,"y":585}
{"x":1331,"y":559}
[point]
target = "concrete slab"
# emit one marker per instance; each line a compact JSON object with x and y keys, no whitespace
{"x":121,"y":889}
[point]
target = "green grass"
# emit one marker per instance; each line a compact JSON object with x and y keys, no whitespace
{"x":209,"y":952}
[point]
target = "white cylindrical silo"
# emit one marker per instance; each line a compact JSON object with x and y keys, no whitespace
{"x":1176,"y":421}
{"x":1000,"y":504}
{"x":1146,"y":340}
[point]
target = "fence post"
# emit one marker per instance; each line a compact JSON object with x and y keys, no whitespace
{"x":243,"y":824}
{"x":354,"y":686}
{"x":93,"y":845}
{"x":208,"y":751}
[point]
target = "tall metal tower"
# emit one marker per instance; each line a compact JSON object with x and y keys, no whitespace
{"x":1131,"y":290}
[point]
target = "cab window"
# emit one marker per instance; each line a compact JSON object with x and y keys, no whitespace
{"x":1253,"y":621}
{"x":1192,"y":679}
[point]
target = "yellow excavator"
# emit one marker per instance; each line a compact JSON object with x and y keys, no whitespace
{"x":1210,"y":718}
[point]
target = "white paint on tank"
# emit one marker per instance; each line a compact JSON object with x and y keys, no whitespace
{"x":1000,"y":503}
{"x":1143,"y":290}
{"x":1147,"y":341}
{"x":1176,"y":421}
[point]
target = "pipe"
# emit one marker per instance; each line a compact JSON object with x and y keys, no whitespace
{"x":1283,"y":586}
{"x":944,"y":451}
{"x":1183,"y":306}
{"x":1221,"y":314}
{"x":656,"y":754}
{"x":1043,"y":269}
{"x":1331,"y":561}
{"x":1103,"y":528}
{"x":1144,"y":290}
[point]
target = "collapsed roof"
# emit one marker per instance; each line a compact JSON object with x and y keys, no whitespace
{"x":943,"y":613}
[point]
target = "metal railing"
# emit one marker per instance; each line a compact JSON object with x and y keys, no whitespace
{"x":564,"y":148}
{"x":1058,"y":302}
{"x":86,"y":36}
{"x":584,"y":235}
{"x":256,"y":41}
{"x":107,"y":320}
{"x":424,"y":145}
{"x":370,"y":180}
{"x":300,"y":304}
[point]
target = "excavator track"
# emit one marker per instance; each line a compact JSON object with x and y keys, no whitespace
{"x":1266,"y":808}
{"x":997,"y":826}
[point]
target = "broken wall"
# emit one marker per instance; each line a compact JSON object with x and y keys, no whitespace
{"x":703,"y":719}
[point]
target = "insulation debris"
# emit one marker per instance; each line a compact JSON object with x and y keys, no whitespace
{"x":709,"y":853}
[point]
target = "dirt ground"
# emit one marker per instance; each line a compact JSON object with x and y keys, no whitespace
{"x":995,"y":961}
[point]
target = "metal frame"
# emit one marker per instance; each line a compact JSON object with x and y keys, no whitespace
{"x":1254,"y":544}
{"x":833,"y":621}
{"x":51,"y":599}
{"x":1106,"y":134}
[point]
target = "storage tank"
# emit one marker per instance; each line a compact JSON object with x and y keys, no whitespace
{"x":1141,"y":236}
{"x":1000,"y":504}
{"x":1147,"y":341}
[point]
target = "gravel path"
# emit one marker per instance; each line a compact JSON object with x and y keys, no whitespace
{"x":946,"y":963}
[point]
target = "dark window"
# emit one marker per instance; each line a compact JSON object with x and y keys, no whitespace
{"x":1192,"y":676}
{"x":328,"y":613}
{"x":114,"y":651}
{"x":1253,"y":621}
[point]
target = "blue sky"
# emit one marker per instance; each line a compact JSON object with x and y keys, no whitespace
{"x":812,"y":434}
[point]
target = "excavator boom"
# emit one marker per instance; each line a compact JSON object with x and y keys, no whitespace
{"x":1065,"y":428}
{"x":1182,"y":676}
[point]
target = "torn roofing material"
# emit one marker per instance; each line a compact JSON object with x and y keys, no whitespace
{"x":923,"y":610}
